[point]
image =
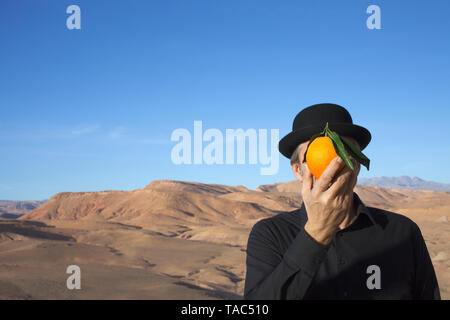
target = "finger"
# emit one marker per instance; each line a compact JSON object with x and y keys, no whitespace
{"x":341,"y":183}
{"x":330,"y":172}
{"x":307,"y":180}
{"x":354,"y":178}
{"x":351,"y":181}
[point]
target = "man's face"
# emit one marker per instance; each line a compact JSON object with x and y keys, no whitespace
{"x":299,"y":168}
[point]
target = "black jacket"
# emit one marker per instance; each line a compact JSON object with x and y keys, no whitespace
{"x":382,"y":255}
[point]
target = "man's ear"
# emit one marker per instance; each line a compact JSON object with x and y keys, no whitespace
{"x":296,"y":169}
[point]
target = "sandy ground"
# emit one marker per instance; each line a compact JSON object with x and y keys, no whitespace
{"x":116,"y":262}
{"x":174,"y":257}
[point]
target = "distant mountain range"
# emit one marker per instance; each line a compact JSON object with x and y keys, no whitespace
{"x":403,"y":182}
{"x":14,"y":209}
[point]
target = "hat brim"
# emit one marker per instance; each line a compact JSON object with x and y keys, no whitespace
{"x":288,"y":143}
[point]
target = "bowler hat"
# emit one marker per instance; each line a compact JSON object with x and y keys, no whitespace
{"x":313,"y":119}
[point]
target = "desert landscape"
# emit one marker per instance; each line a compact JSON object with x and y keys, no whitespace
{"x":172,"y":239}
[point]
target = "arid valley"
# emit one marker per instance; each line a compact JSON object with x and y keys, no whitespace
{"x":172,"y":239}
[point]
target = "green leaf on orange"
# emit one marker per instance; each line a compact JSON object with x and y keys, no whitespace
{"x":356,"y":153}
{"x":339,"y":147}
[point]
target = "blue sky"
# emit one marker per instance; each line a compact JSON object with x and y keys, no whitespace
{"x":94,"y":109}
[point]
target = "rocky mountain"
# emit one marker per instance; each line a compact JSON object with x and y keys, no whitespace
{"x":175,"y":208}
{"x":404,"y":182}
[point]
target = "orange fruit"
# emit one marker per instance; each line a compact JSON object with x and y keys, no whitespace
{"x":319,"y":155}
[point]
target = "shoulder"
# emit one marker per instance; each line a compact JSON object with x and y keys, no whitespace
{"x":394,"y":221}
{"x":279,"y":229}
{"x":288,"y":219}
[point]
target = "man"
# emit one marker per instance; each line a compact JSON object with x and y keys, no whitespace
{"x":334,"y":247}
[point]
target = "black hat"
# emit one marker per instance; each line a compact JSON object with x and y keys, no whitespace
{"x":313,"y":119}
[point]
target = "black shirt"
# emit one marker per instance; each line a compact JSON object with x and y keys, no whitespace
{"x":381,"y":255}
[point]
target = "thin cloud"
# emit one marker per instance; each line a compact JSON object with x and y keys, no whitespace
{"x":122,"y":134}
{"x":84,"y":130}
{"x":117,"y":132}
{"x":153,"y":141}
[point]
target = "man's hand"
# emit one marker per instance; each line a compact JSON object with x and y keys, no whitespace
{"x":328,"y":199}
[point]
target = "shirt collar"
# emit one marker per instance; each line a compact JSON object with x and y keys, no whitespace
{"x":361,"y":208}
